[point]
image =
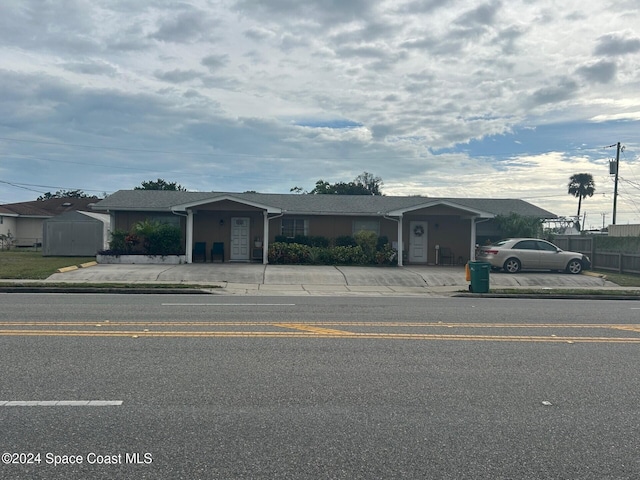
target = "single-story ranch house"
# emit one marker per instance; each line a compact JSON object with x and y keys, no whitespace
{"x":242,"y":225}
{"x":24,"y":221}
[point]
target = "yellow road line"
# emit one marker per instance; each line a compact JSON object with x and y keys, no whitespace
{"x":318,"y":335}
{"x":35,"y":323}
{"x":313,"y":329}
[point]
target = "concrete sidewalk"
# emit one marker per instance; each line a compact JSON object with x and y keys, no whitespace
{"x":320,"y":280}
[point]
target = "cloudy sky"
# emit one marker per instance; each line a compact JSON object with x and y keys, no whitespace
{"x":457,"y":98}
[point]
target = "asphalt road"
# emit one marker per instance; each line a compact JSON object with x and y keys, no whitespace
{"x":318,"y":387}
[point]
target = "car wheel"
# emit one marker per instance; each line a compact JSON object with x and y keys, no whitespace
{"x":574,"y":266}
{"x":512,"y":265}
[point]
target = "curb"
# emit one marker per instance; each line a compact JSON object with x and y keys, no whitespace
{"x":67,"y":269}
{"x":548,"y":296}
{"x":110,"y":290}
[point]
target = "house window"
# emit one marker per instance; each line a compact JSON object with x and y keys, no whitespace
{"x":368,"y":225}
{"x":294,"y":226}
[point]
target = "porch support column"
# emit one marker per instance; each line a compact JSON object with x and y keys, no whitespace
{"x":472,"y":252}
{"x":400,"y":249}
{"x":189,"y":240}
{"x":265,"y":240}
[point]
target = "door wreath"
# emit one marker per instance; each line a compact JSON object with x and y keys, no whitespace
{"x":418,"y":231}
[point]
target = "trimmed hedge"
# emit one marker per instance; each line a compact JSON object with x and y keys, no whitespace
{"x":146,"y":238}
{"x":300,"y":254}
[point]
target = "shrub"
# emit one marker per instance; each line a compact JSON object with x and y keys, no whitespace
{"x":345,"y":241}
{"x":289,"y":253}
{"x":165,"y":240}
{"x":319,"y":241}
{"x":345,"y":255}
{"x":156,"y":239}
{"x":385,"y":255}
{"x":118,"y":241}
{"x":367,"y":241}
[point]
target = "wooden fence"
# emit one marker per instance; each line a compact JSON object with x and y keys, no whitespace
{"x":600,"y":260}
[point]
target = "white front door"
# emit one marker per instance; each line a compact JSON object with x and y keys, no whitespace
{"x":418,"y":242}
{"x":239,"y":239}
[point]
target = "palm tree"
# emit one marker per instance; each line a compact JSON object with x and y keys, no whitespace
{"x":581,"y":185}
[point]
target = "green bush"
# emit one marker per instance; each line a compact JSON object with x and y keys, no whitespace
{"x":385,"y":255}
{"x":310,"y":240}
{"x":165,"y":239}
{"x":289,"y":253}
{"x":345,"y":241}
{"x":117,"y":242}
{"x":367,"y":241}
{"x":370,"y":250}
{"x":348,"y":255}
{"x":618,"y":244}
{"x":149,"y":238}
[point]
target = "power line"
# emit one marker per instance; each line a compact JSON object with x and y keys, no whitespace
{"x":26,"y":185}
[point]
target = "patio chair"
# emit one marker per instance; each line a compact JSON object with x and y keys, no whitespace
{"x":217,"y":251}
{"x":446,"y":256}
{"x":199,"y":250}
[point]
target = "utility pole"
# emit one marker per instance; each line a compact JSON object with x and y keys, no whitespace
{"x":615,"y":189}
{"x":614,"y":168}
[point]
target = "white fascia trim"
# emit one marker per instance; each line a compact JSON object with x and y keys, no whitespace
{"x":457,"y":206}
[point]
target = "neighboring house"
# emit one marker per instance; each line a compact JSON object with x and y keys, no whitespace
{"x":24,"y":221}
{"x":75,"y":234}
{"x":236,"y":220}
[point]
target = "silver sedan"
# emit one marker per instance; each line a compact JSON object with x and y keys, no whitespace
{"x":516,"y":254}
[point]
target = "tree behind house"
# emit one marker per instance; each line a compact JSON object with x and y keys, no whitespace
{"x":160,"y":184}
{"x":515,"y":226}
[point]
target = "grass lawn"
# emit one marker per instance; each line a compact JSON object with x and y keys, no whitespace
{"x":17,"y":264}
{"x":624,"y":280}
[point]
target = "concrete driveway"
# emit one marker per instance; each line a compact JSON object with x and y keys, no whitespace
{"x":265,"y":278}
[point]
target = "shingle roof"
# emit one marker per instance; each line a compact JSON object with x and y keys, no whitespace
{"x":47,"y":208}
{"x":165,"y":200}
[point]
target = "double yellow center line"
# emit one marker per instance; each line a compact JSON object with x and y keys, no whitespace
{"x":606,"y":333}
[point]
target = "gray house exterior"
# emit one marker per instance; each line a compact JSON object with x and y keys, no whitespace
{"x":246,"y":223}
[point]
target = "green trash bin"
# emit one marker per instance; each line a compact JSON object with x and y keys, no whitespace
{"x":479,"y":277}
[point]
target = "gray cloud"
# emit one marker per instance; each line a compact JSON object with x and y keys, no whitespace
{"x":422,"y":6}
{"x":90,"y":68}
{"x":178,"y":76}
{"x":484,"y":15}
{"x":215,"y":62}
{"x":324,"y":11}
{"x":508,"y":37}
{"x":185,"y":27}
{"x":563,"y":90}
{"x":258,"y":34}
{"x":616,"y":44}
{"x":601,"y":72}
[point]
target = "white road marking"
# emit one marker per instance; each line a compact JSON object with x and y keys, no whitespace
{"x":229,"y":304}
{"x":60,"y":403}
